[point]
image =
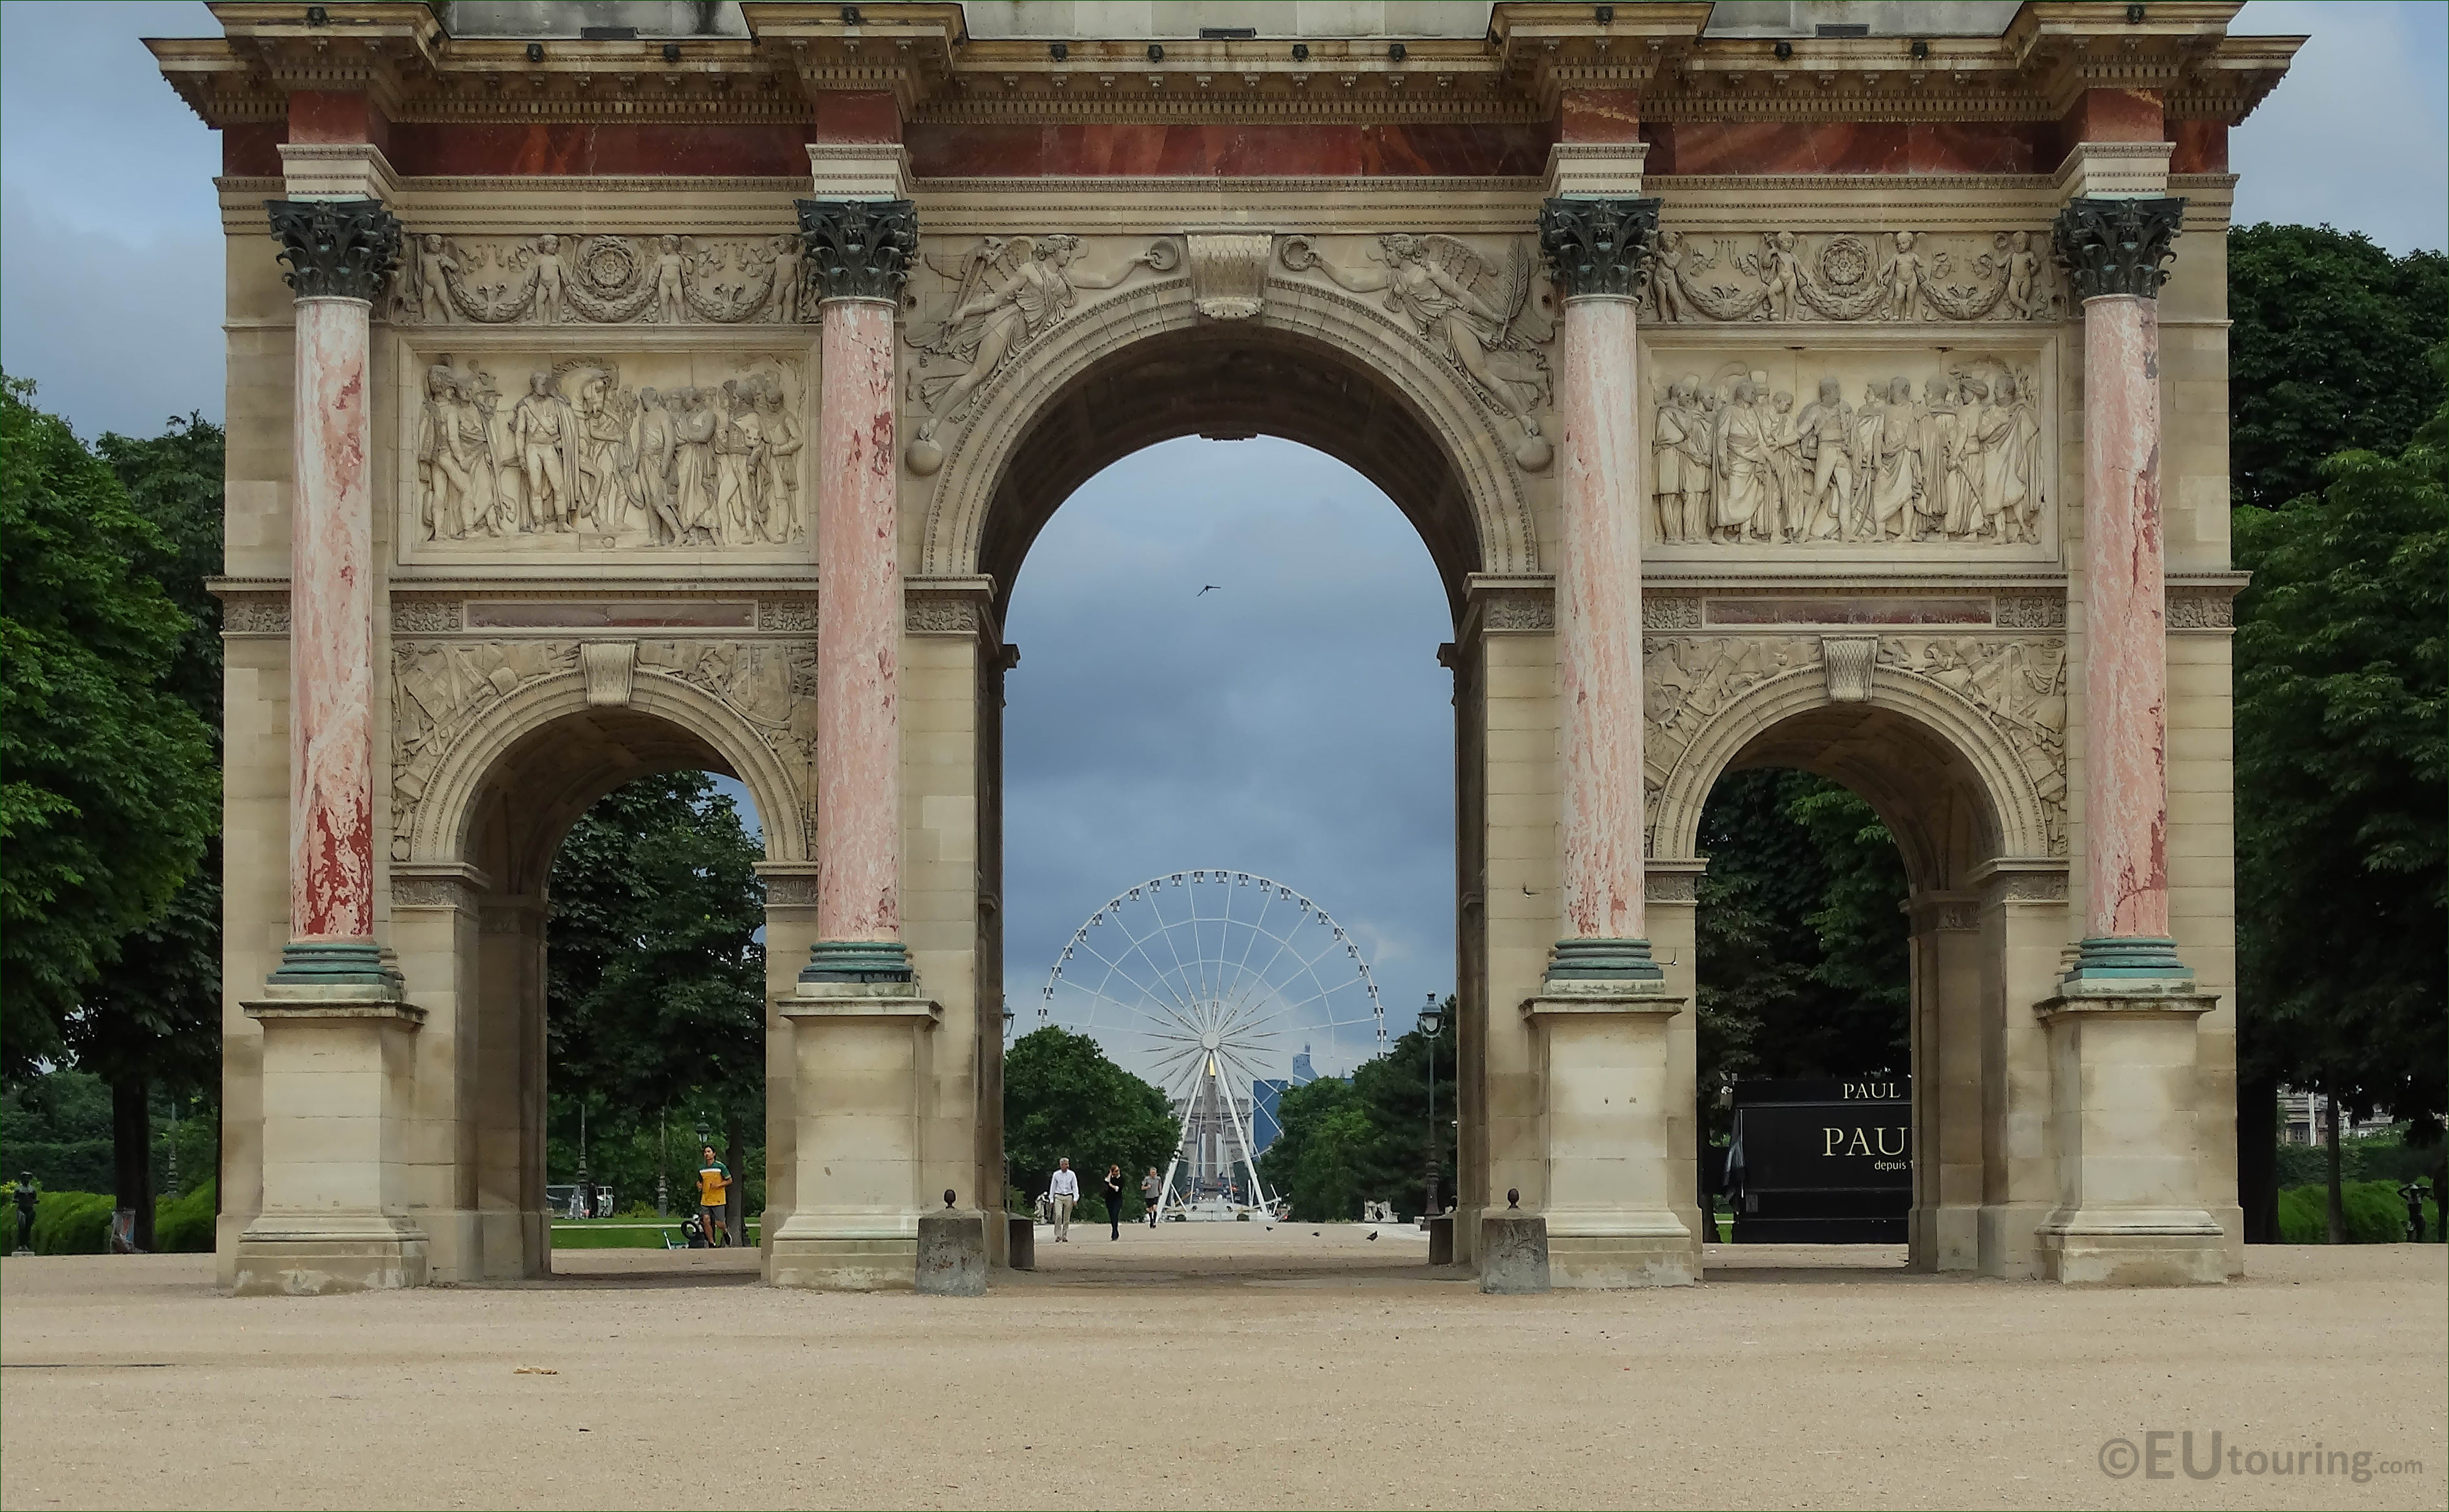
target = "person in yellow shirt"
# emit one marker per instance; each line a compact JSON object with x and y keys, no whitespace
{"x":713,"y":1184}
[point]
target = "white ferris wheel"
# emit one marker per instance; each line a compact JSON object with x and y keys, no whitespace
{"x":1225,"y":989}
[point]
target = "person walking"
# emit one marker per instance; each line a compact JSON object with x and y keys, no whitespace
{"x":1114,"y":1190}
{"x":1065,"y":1190}
{"x":1151,"y":1191}
{"x":713,"y":1181}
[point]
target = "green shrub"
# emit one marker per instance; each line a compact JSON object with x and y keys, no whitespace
{"x":2375,"y":1215}
{"x":1089,"y":1210}
{"x":72,"y":1223}
{"x":184,"y":1225}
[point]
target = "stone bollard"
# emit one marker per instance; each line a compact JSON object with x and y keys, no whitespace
{"x":1440,"y":1238}
{"x":1513,"y":1250}
{"x":953,"y":1252}
{"x":1020,"y":1242}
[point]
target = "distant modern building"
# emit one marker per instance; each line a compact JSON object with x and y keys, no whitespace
{"x":1266,"y":1097}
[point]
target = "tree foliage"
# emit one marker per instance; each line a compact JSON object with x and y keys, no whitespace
{"x":1063,"y":1099}
{"x":655,"y":977}
{"x":108,"y":786}
{"x":2342,"y":782}
{"x":2327,"y":352}
{"x":1367,"y":1139}
{"x":1803,"y":966}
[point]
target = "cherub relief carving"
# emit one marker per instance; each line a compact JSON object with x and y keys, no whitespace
{"x":1008,"y":292}
{"x":1899,"y":276}
{"x":551,"y":279}
{"x":1485,"y":320}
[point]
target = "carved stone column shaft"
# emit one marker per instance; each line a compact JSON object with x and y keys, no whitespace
{"x":1596,"y":249}
{"x":858,"y":254}
{"x":2113,"y":250}
{"x":340,"y":256}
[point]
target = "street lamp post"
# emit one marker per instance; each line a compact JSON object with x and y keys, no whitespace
{"x":1432,"y":1020}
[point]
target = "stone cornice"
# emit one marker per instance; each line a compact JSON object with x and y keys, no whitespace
{"x":400,"y":55}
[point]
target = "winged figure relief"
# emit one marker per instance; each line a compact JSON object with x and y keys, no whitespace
{"x":1008,"y":291}
{"x":1487,"y":319}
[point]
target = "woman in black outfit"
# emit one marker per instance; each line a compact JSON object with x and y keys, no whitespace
{"x":1114,"y":1199}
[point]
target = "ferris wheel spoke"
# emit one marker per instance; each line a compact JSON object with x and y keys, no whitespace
{"x":1155,"y":969}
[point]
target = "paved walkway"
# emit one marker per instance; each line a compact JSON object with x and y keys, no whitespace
{"x":1217,"y":1368}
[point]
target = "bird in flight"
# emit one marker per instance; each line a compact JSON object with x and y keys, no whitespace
{"x":1206,"y":592}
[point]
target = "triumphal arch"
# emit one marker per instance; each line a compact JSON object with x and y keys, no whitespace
{"x":615,"y":387}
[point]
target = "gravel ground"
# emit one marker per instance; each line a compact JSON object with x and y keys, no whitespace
{"x":1214,"y":1365}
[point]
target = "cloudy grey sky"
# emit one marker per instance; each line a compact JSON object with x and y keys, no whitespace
{"x":1294,"y":724}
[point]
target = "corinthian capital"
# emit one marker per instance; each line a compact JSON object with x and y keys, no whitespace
{"x":335,"y":248}
{"x":2117,"y":246}
{"x":1598,"y":246}
{"x":858,"y":249}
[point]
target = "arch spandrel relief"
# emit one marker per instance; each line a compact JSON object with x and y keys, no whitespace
{"x":1848,"y":451}
{"x":534,"y":456}
{"x":445,"y":690}
{"x":2000,"y":700}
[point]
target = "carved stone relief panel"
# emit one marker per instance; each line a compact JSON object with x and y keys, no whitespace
{"x":978,"y":309}
{"x":1687,"y":680}
{"x":514,"y":454}
{"x":2020,"y":687}
{"x":1893,"y":276}
{"x":441,"y":687}
{"x":1487,"y":310}
{"x":553,"y":278}
{"x":1848,"y":452}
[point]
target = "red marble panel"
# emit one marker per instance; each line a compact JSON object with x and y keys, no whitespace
{"x":2113,"y":115}
{"x":600,"y":613}
{"x":1222,"y":150}
{"x":1847,"y":612}
{"x":1835,"y":146}
{"x":2202,"y":147}
{"x":856,"y":115}
{"x":1977,"y":147}
{"x":326,"y":115}
{"x":252,"y":151}
{"x":547,"y":149}
{"x":1599,"y":115}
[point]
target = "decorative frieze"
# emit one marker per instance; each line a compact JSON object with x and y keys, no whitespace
{"x":666,"y":449}
{"x":553,"y":278}
{"x":795,"y":613}
{"x":2117,"y":246}
{"x":2201,"y":609}
{"x":857,"y":249}
{"x":1670,"y":611}
{"x":255,"y":614}
{"x":343,"y":249}
{"x":2031,"y":611}
{"x":423,"y":615}
{"x":1849,"y":276}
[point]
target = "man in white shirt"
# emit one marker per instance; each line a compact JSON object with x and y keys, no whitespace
{"x":1065,"y":1190}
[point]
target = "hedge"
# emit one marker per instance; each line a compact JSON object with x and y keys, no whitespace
{"x":2375,"y":1214}
{"x":79,"y":1222}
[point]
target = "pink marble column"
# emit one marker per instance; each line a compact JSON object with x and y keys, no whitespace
{"x":1598,"y":624}
{"x":859,"y":630}
{"x":1595,"y":248}
{"x":2113,"y":250}
{"x":331,"y":631}
{"x":2126,"y":673}
{"x":340,"y":255}
{"x":856,"y":254}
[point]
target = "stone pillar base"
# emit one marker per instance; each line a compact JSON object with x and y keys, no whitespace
{"x":1617,"y":1262}
{"x":1946,"y":1237}
{"x":295,"y":1256}
{"x":952,"y":1253}
{"x":834,"y":1263}
{"x":1611,"y":1191}
{"x":2123,"y":1114}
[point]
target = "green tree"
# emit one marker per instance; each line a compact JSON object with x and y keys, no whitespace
{"x":1342,"y":1143}
{"x":2327,"y":352}
{"x":108,"y":787}
{"x":2342,"y":779}
{"x":655,"y":976}
{"x":152,"y":1018}
{"x":1063,"y":1099}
